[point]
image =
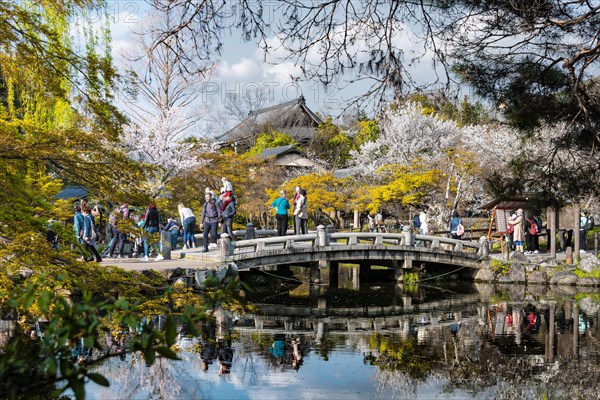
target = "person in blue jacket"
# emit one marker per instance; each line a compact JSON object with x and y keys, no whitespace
{"x":454,"y":226}
{"x":281,"y":205}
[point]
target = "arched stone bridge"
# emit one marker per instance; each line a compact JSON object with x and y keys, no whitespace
{"x":386,"y":249}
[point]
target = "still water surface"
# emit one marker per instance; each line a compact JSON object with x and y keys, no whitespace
{"x":382,"y":341}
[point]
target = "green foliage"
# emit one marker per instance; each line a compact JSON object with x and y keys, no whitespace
{"x":331,"y":144}
{"x":500,"y":267}
{"x":595,"y":273}
{"x":405,"y":185}
{"x":411,"y":278}
{"x":73,"y":315}
{"x":397,"y":354}
{"x":411,"y":282}
{"x":324,"y":194}
{"x":368,"y":132}
{"x":271,"y":139}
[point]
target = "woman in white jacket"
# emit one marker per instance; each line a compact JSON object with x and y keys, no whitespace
{"x":301,"y":213}
{"x":188,"y":220}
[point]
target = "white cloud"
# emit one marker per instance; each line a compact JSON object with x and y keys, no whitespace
{"x":244,"y":70}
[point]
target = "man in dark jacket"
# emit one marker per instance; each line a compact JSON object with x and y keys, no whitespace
{"x":151,"y":224}
{"x":211,"y":213}
{"x":228,"y":213}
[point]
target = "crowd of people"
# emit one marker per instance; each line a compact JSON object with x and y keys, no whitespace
{"x":523,"y":230}
{"x":215,"y":210}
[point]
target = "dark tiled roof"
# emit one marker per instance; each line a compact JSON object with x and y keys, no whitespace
{"x":293,"y":115}
{"x":512,"y":202}
{"x":278,"y":151}
{"x":72,"y":192}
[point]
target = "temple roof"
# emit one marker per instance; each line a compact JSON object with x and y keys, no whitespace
{"x":293,"y":117}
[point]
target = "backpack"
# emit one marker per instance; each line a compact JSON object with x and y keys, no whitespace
{"x":510,"y":228}
{"x":417,"y":221}
{"x":460,"y":230}
{"x":93,"y":232}
{"x":533,"y":228}
{"x":590,"y":223}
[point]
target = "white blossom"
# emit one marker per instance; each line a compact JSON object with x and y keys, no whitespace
{"x":159,"y":141}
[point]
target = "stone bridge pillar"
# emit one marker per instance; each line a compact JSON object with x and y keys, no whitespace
{"x":226,"y":246}
{"x":399,"y":273}
{"x":355,"y":277}
{"x":323,"y":236}
{"x":320,"y":331}
{"x":334,"y":273}
{"x":315,"y":273}
{"x":165,"y":244}
{"x":409,"y":239}
{"x":250,"y":232}
{"x":351,"y":326}
{"x":484,"y":247}
{"x":404,"y":327}
{"x":314,"y":293}
{"x":322,"y":302}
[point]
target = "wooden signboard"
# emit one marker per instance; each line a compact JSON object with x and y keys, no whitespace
{"x":568,"y":217}
{"x":501,"y":217}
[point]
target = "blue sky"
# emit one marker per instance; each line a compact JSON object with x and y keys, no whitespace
{"x":244,"y":66}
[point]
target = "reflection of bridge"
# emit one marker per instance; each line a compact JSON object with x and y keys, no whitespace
{"x":402,"y":318}
{"x":399,"y":251}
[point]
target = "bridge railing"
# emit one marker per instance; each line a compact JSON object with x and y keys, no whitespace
{"x":323,"y":237}
{"x":269,"y":243}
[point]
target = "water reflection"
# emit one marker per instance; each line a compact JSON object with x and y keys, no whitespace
{"x":375,"y":340}
{"x":379,"y":341}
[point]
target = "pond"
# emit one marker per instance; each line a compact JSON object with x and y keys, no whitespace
{"x":381,"y":340}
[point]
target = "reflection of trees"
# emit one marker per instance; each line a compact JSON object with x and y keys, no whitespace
{"x":165,"y":379}
{"x":398,"y":354}
{"x":471,"y":363}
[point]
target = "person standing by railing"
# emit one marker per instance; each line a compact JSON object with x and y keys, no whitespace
{"x":454,"y":225}
{"x":211,"y":213}
{"x":228,"y":212}
{"x":281,"y":205}
{"x":151,"y":225}
{"x":294,"y":203}
{"x":188,"y":221}
{"x":301,"y":213}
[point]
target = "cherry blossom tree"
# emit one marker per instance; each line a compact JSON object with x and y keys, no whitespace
{"x":411,"y":134}
{"x":159,"y":142}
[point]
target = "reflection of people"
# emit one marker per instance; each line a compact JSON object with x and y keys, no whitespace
{"x":296,"y":354}
{"x":208,"y":342}
{"x":225,"y":356}
{"x":80,"y":353}
{"x":278,"y":347}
